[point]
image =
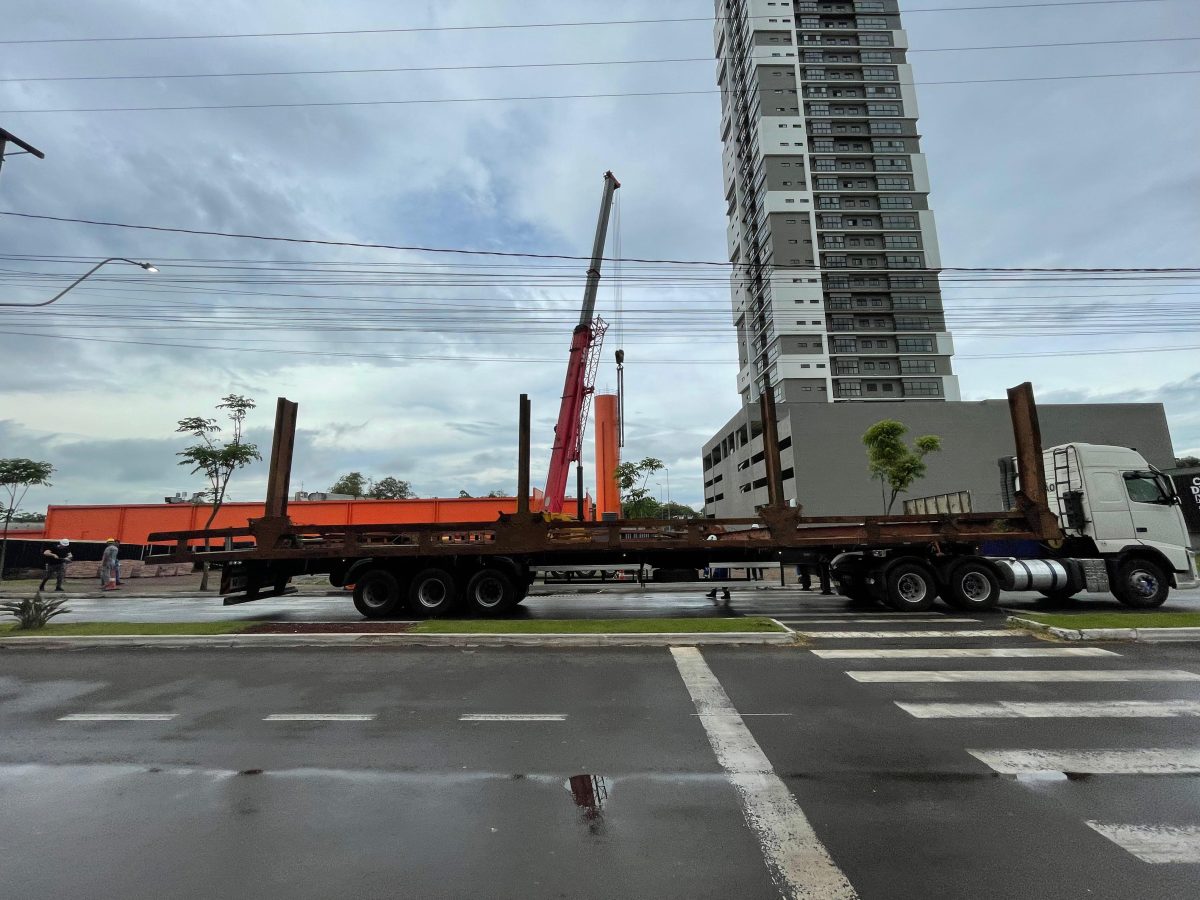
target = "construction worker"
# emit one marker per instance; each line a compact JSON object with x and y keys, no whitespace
{"x":56,"y":557}
{"x":109,"y":572}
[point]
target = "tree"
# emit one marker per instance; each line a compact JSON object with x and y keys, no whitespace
{"x":1187,"y":462}
{"x":463,"y":495}
{"x":636,"y":501}
{"x":891,"y":461}
{"x":218,"y":460}
{"x":391,"y":488}
{"x":354,"y":484}
{"x":492,"y":494}
{"x":17,"y":475}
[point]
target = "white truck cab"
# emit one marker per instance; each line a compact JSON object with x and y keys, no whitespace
{"x":1113,"y":499}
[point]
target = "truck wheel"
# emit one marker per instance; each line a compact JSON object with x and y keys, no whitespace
{"x":491,"y":592}
{"x":377,"y":594}
{"x":1141,"y":584}
{"x":972,"y":586}
{"x":909,"y":588}
{"x":432,"y":592}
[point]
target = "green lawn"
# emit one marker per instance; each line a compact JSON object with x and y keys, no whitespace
{"x":1118,"y":620}
{"x":91,"y":629}
{"x":593,"y":626}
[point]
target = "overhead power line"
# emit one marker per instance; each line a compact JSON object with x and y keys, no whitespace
{"x":421,"y":29}
{"x":544,"y":65}
{"x":531,"y":255}
{"x":425,"y":101}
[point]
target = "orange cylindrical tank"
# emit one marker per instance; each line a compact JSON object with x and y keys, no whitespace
{"x":608,"y":456}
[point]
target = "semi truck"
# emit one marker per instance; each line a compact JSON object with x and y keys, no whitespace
{"x":1080,"y":517}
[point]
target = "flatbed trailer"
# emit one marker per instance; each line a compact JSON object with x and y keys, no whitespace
{"x":434,"y":569}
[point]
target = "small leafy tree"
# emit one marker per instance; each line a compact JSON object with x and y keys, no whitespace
{"x":16,"y":477}
{"x":391,"y":488}
{"x":463,"y":495}
{"x":891,"y":461}
{"x":636,"y":502}
{"x":354,"y":484}
{"x":217,"y":460}
{"x":1187,"y":462}
{"x":496,"y":494}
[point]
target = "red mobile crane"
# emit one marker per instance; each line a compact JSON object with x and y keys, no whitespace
{"x":581,"y":374}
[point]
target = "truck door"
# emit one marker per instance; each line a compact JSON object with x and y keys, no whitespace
{"x":1111,"y":525}
{"x":1157,"y":519}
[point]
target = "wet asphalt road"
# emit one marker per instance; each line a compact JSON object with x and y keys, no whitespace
{"x":599,"y":602}
{"x":624,"y":796}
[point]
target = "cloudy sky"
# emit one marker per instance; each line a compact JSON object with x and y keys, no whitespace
{"x":409,"y":363}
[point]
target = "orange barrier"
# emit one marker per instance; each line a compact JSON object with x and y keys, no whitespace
{"x":130,"y":524}
{"x":608,"y":456}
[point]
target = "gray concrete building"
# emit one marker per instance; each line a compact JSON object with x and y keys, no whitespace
{"x":834,"y":288}
{"x":824,"y":461}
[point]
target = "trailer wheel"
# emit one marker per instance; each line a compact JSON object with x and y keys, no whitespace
{"x":432,"y":592}
{"x":972,"y":585}
{"x":909,"y":587}
{"x":491,"y":592}
{"x":377,"y":594}
{"x":1141,"y":584}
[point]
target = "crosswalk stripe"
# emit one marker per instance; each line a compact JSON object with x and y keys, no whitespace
{"x":884,"y":635}
{"x":1182,"y":761}
{"x":965,"y":653}
{"x":1154,"y":843}
{"x":118,"y":717}
{"x":1015,"y":675}
{"x":1008,"y":709}
{"x":320,"y":717}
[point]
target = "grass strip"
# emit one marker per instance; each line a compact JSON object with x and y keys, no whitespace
{"x":93,"y":629}
{"x":1118,"y":620}
{"x":595,"y":626}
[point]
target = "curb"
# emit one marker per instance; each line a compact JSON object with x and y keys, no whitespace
{"x":1108,"y":634}
{"x":374,"y":639}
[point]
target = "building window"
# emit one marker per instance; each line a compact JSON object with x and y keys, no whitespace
{"x":922,"y":388}
{"x":883,"y":109}
{"x":853,"y":389}
{"x":900,"y":241}
{"x":887,"y":146}
{"x":895,"y":202}
{"x":914,"y":344}
{"x":904,"y":262}
{"x":899,"y":222}
{"x":909,"y":301}
{"x":917,"y":367}
{"x":886,"y":128}
{"x":895,"y":183}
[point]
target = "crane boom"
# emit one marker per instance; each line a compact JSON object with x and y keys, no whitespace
{"x":581,"y":371}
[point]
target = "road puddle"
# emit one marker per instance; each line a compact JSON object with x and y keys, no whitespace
{"x":590,"y":795}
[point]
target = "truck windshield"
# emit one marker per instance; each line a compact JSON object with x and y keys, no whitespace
{"x":1143,"y":487}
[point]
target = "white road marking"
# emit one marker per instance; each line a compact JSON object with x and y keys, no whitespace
{"x":514,"y":717}
{"x":966,"y":653}
{"x":320,"y":717}
{"x":789,"y":620}
{"x":1182,"y":761}
{"x":1006,"y":709}
{"x":884,"y":635}
{"x":951,"y":675}
{"x":798,"y":862}
{"x":1154,"y":843}
{"x":118,"y":717}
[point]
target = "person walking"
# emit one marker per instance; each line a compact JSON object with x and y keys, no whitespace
{"x":109,"y":573}
{"x":56,"y":557}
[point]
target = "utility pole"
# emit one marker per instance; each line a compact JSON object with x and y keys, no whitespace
{"x":6,"y":138}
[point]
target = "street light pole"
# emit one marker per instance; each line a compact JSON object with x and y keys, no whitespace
{"x":7,"y":137}
{"x":667,"y":469}
{"x":133,"y":262}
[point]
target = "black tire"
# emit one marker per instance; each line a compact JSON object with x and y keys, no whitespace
{"x":972,"y":586}
{"x":1141,"y":584}
{"x":432,"y":592}
{"x":909,"y":588}
{"x":377,"y":594}
{"x":491,"y":592}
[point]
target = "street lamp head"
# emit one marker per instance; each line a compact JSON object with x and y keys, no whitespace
{"x":148,"y":267}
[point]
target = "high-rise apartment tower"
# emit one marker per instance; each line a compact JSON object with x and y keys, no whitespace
{"x":835,"y":286}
